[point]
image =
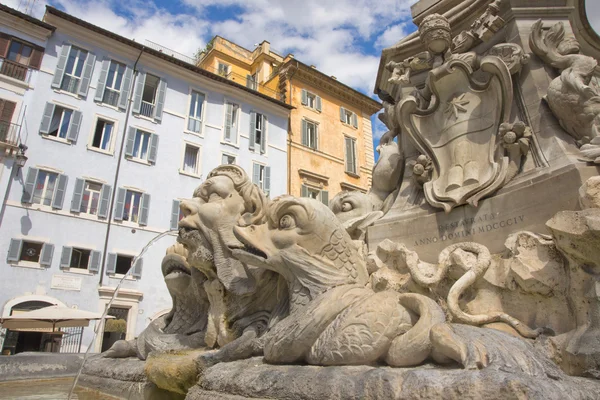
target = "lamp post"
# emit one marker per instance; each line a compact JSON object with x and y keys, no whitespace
{"x":20,"y":160}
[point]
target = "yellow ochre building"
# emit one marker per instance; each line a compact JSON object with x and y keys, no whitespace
{"x":330,"y":141}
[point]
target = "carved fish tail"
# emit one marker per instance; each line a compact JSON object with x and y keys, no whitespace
{"x":414,"y":347}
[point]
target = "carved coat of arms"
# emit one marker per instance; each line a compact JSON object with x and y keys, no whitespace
{"x":458,"y":131}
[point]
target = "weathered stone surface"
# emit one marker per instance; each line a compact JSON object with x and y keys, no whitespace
{"x":39,"y":366}
{"x":255,"y":379}
{"x":589,"y":193}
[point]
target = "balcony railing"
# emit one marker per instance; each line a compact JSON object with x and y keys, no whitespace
{"x":9,"y":134}
{"x":70,"y":84}
{"x":110,"y":97}
{"x":14,"y":70}
{"x":147,"y":109}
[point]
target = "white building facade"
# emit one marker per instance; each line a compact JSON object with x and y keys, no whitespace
{"x":116,"y":135}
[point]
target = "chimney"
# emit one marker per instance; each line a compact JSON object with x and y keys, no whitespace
{"x":313,"y":66}
{"x":333,"y":77}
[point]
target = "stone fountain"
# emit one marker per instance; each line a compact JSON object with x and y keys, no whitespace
{"x":469,"y":270}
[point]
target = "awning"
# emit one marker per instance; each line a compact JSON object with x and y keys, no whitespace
{"x":50,"y":317}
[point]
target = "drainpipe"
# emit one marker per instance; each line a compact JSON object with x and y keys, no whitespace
{"x":114,"y":191}
{"x":289,"y":180}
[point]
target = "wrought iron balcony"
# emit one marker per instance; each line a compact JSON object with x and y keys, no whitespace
{"x":147,"y":109}
{"x":14,"y":70}
{"x":9,"y":134}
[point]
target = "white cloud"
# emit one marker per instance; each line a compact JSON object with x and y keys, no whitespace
{"x":392,"y":35}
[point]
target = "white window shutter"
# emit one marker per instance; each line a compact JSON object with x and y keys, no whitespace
{"x":47,"y":118}
{"x":65,"y":257}
{"x":263,"y":137}
{"x":46,"y":255}
{"x":119,"y":204}
{"x":102,"y":80}
{"x":160,"y":100}
{"x":111,"y":263}
{"x":303,"y":191}
{"x":325,"y":197}
{"x":228,"y":120}
{"x":139,"y":89}
{"x":252,"y":130}
{"x":77,"y":195}
{"x":74,"y":126}
{"x":14,"y":250}
{"x":125,"y":89}
{"x":137,"y":268}
{"x":304,"y":133}
{"x":342,"y":114}
{"x":175,"y":215}
{"x":130,"y":141}
{"x":60,"y":66}
{"x":88,"y":69}
{"x":354,"y":120}
{"x":59,"y":193}
{"x":256,"y":174}
{"x":267,"y":181}
{"x":304,"y":97}
{"x":104,"y":201}
{"x":153,"y":148}
{"x":95,"y":259}
{"x":318,"y":103}
{"x":29,"y":185}
{"x":144,"y":209}
{"x":249,"y":82}
{"x":224,"y":159}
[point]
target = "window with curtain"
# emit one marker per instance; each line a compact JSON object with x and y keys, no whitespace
{"x":190,"y":159}
{"x":73,"y":70}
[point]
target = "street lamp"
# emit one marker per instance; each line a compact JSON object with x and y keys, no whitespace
{"x":21,"y":158}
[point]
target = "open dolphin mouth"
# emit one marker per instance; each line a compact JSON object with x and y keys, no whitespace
{"x":175,"y":262}
{"x":245,"y":249}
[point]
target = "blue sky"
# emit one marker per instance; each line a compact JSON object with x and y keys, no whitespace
{"x":343,"y":38}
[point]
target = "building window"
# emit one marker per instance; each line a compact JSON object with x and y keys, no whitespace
{"x":252,"y":81}
{"x":231,"y":122}
{"x":73,"y":70}
{"x":44,"y":187}
{"x":80,"y":258}
{"x":191,"y":159}
{"x":31,"y":251}
{"x":114,"y":80}
{"x":350,"y":155}
{"x":123,"y":264}
{"x":90,"y":199}
{"x":195,"y":115}
{"x":258,"y":124}
{"x":8,"y":133}
{"x":222,"y":69}
{"x":103,"y":134}
{"x":61,"y":119}
{"x":261,"y":177}
{"x":227,"y":159}
{"x":18,"y":57}
{"x":141,"y":145}
{"x":312,"y":193}
{"x":311,"y":100}
{"x":348,"y":117}
{"x":149,"y":95}
{"x":310,"y":134}
{"x":131,"y":210}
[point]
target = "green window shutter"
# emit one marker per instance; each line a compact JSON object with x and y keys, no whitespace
{"x":137,"y":96}
{"x":102,"y":80}
{"x":95,"y":259}
{"x":153,"y":148}
{"x":119,"y":204}
{"x":137,"y":269}
{"x":14,"y":250}
{"x":256,"y":174}
{"x":47,"y":118}
{"x":249,"y":82}
{"x":263,"y":138}
{"x":304,"y":97}
{"x":304,"y":133}
{"x":125,"y":89}
{"x":318,"y":103}
{"x":65,"y":257}
{"x":77,"y":195}
{"x":104,"y":201}
{"x":59,"y":193}
{"x":342,"y":114}
{"x":111,"y":263}
{"x":325,"y":197}
{"x":130,"y":142}
{"x":29,"y":185}
{"x":175,"y":215}
{"x":74,"y":126}
{"x":252,"y":130}
{"x":354,"y":120}
{"x":160,"y":100}
{"x":303,"y":191}
{"x":267,"y":181}
{"x":60,"y":66}
{"x":46,"y":255}
{"x":228,"y":118}
{"x":88,"y":68}
{"x":144,"y":209}
{"x":348,"y":149}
